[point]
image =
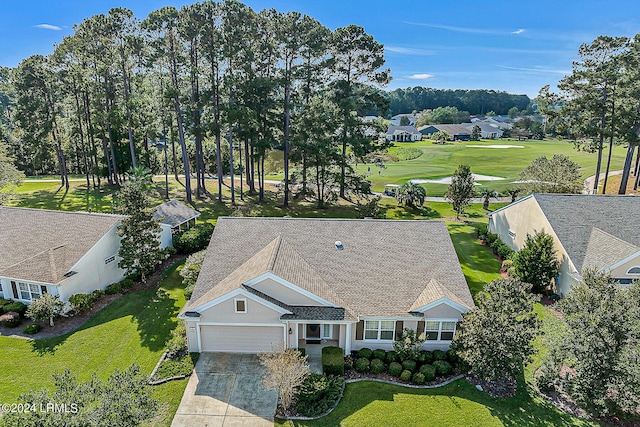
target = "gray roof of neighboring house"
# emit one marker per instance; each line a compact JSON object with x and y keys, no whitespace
{"x":485,"y":127}
{"x":42,"y":245}
{"x":383,"y":269}
{"x":596,"y":231}
{"x":174,"y":213}
{"x":410,"y":129}
{"x":456,"y":129}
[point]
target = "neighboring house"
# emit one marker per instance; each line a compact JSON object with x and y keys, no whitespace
{"x":487,"y":130}
{"x":178,"y":216}
{"x":458,"y":132}
{"x":57,"y":252}
{"x":395,"y":120}
{"x":601,"y":232}
{"x":306,"y":282}
{"x":403,"y":134}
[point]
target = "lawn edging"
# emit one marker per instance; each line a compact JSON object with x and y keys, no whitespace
{"x":356,"y":380}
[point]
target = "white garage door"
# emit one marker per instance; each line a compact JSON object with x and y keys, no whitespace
{"x":240,"y":339}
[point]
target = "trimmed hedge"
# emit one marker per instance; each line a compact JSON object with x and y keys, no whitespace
{"x":405,"y":375}
{"x":392,"y":356}
{"x":428,"y":371}
{"x":15,"y":307}
{"x":395,"y":369}
{"x":83,"y":302}
{"x":439,"y":355}
{"x":376,"y":366}
{"x":194,"y":239}
{"x":365,"y":352}
{"x":428,"y":356}
{"x":379,"y":354}
{"x":114,"y":288}
{"x":418,"y":378}
{"x":409,"y":365}
{"x":332,"y":361}
{"x":32,"y":328}
{"x":318,"y":394}
{"x":362,"y":365}
{"x":442,"y":367}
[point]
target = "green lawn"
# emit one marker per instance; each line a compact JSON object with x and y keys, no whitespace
{"x":133,"y":329}
{"x":441,"y":160}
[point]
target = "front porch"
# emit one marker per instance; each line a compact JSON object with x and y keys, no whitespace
{"x":313,"y":337}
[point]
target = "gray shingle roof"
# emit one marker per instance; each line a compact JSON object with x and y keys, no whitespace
{"x":410,"y":129}
{"x":174,"y":213}
{"x":574,"y":218}
{"x":382,"y":270}
{"x":42,"y":245}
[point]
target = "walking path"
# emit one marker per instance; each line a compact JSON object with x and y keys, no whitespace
{"x":588,"y":183}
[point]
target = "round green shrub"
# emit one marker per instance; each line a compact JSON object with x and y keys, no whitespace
{"x":395,"y":369}
{"x":127,"y":283}
{"x":32,"y":328}
{"x":379,"y":354}
{"x":81,"y":302}
{"x":377,"y":366}
{"x":362,"y":364}
{"x":114,"y":288}
{"x":97,"y":294}
{"x":409,"y":365}
{"x":452,"y":357}
{"x":428,"y":356}
{"x":365,"y":352}
{"x":4,"y":301}
{"x":392,"y":356}
{"x":194,"y":239}
{"x":418,"y":378}
{"x":405,"y":375}
{"x":428,"y":371}
{"x":442,"y":367}
{"x":15,"y":307}
{"x":439,"y":355}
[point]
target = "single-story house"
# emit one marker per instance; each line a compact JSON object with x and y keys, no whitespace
{"x":487,"y":130}
{"x":395,"y":120}
{"x":57,"y":252}
{"x":403,"y":134}
{"x":317,"y":282}
{"x":457,"y":132}
{"x":599,"y":232}
{"x":177,"y":215}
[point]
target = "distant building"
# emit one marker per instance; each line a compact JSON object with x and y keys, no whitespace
{"x":458,"y":132}
{"x":395,"y":120}
{"x":403,"y":134}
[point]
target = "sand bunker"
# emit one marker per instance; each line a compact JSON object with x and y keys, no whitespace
{"x":447,"y":179}
{"x":495,"y":146}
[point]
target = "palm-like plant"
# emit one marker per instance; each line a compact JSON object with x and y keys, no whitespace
{"x":487,"y":194}
{"x":411,"y":194}
{"x":140,"y":174}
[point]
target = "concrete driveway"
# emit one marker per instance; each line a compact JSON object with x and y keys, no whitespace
{"x":226,"y":391}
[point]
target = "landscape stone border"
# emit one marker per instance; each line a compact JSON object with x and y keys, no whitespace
{"x":164,"y":380}
{"x":355,"y":380}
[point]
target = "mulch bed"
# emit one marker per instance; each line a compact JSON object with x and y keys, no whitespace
{"x":501,"y":389}
{"x":68,"y":324}
{"x":352,"y":374}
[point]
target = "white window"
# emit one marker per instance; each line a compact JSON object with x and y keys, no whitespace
{"x":241,"y":305}
{"x":634,"y":270}
{"x":327,"y":331}
{"x":436,"y":330}
{"x":29,"y":291}
{"x":382,"y":330}
{"x":512,"y":233}
{"x":110,"y":259}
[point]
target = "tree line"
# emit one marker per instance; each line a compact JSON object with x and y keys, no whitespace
{"x":475,"y":101}
{"x":216,"y":84}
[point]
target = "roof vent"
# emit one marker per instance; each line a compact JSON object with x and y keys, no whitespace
{"x":339,"y":245}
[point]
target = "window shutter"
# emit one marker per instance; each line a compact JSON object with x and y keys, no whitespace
{"x":399,"y":327}
{"x":420,"y":327}
{"x":14,"y":288}
{"x":43,"y":289}
{"x":360,"y":330}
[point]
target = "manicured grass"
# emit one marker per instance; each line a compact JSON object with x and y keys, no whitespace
{"x":441,"y":160}
{"x":133,"y":329}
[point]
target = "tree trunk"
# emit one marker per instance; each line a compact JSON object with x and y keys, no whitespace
{"x":178,"y":111}
{"x":628,"y":161}
{"x":231,"y":171}
{"x":287,"y":98}
{"x":601,"y":141}
{"x":606,"y":174}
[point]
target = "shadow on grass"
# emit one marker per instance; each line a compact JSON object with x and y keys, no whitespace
{"x":75,"y":199}
{"x":153,"y":310}
{"x":459,"y":403}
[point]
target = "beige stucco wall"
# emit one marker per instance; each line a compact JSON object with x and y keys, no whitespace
{"x":442,"y":311}
{"x":620,"y":272}
{"x":282,"y":293}
{"x":224,"y":312}
{"x":525,"y":217}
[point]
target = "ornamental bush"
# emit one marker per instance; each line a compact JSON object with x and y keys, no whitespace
{"x":428,"y":356}
{"x":409,"y":365}
{"x":418,"y":378}
{"x":376,"y":366}
{"x":405,"y":375}
{"x":428,"y":371}
{"x":81,"y":302}
{"x":32,"y":328}
{"x":15,"y":307}
{"x":391,"y":356}
{"x":114,"y":288}
{"x":332,"y":361}
{"x":362,"y":365}
{"x":439,"y":355}
{"x":395,"y":369}
{"x":442,"y":367}
{"x":379,"y":354}
{"x":365,"y":352}
{"x":318,"y":394}
{"x":194,"y":239}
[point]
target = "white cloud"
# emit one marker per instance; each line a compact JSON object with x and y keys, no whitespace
{"x":520,"y":31}
{"x":409,"y":50}
{"x":455,"y":29}
{"x":420,"y":76}
{"x":48,"y":27}
{"x":536,"y":70}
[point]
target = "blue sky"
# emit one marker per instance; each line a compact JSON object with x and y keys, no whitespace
{"x":516,"y":46}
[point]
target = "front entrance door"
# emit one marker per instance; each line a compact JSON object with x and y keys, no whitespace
{"x":313,"y":332}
